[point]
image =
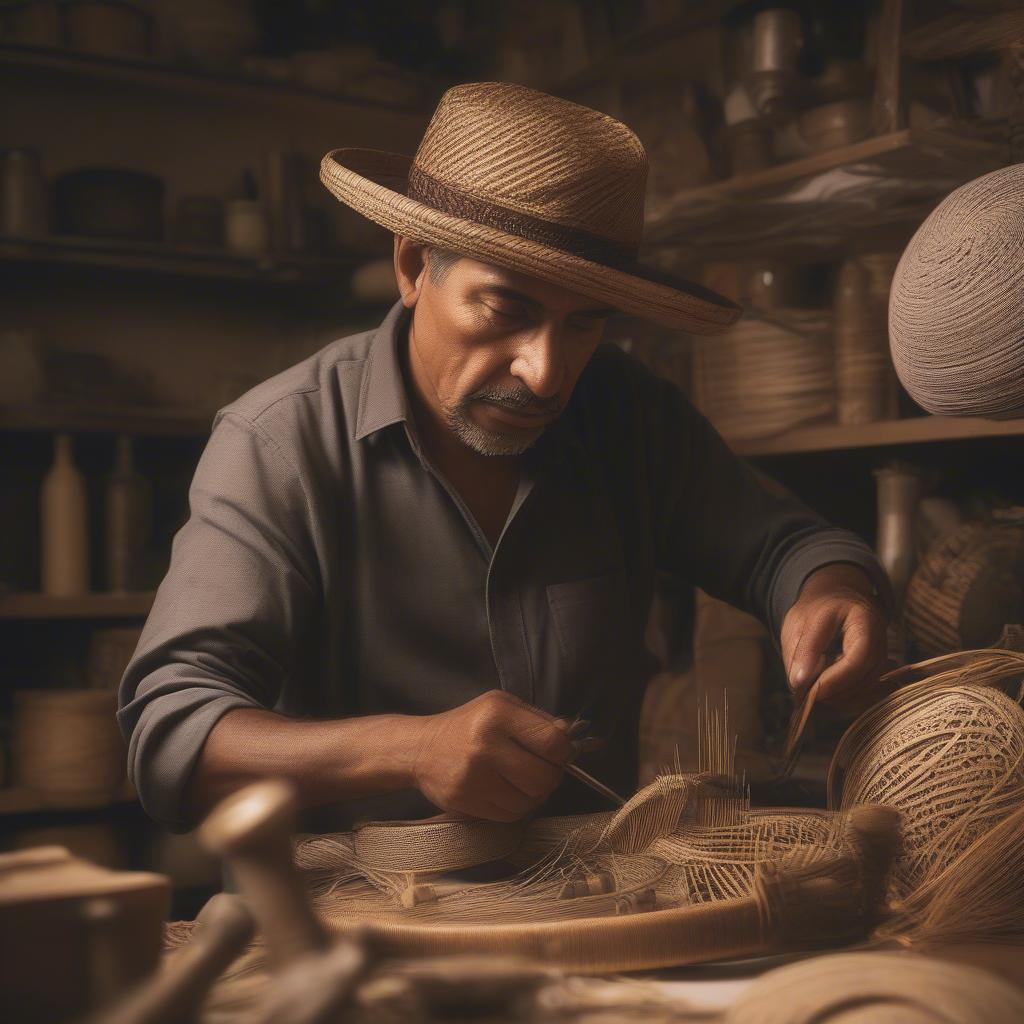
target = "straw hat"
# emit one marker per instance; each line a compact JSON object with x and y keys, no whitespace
{"x":956,"y":319}
{"x":523,"y":180}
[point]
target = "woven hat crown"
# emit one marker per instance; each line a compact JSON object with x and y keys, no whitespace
{"x":535,"y":156}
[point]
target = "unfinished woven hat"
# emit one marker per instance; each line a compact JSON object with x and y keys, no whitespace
{"x":956,"y":320}
{"x":533,"y":183}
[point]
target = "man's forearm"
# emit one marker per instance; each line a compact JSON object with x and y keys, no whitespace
{"x":327,"y":762}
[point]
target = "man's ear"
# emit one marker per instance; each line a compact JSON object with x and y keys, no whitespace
{"x":410,"y":269}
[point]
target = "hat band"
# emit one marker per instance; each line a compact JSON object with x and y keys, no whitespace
{"x":428,"y":190}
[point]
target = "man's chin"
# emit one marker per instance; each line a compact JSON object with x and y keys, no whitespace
{"x":494,"y":442}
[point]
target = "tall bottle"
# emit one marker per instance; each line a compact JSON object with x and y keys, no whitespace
{"x":126,"y":521}
{"x":64,"y":526}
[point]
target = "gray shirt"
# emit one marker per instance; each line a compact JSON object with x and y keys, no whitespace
{"x":328,"y":570}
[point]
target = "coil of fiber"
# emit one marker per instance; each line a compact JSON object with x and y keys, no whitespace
{"x":877,"y":988}
{"x":956,"y":320}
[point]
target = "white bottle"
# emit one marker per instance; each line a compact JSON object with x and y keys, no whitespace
{"x":64,"y":526}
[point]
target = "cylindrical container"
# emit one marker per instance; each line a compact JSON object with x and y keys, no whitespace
{"x":773,"y":78}
{"x":66,"y":746}
{"x":126,"y":521}
{"x":899,"y":493}
{"x":777,"y":40}
{"x":246,"y":230}
{"x":284,"y":200}
{"x":23,"y":208}
{"x":862,"y":356}
{"x":64,"y":525}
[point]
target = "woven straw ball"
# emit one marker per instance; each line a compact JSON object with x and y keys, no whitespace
{"x":956,"y":308}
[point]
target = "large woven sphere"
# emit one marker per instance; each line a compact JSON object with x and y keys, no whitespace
{"x":949,"y":757}
{"x":956,"y":308}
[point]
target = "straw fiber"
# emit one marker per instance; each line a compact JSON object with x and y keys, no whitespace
{"x":877,"y":988}
{"x":924,"y":843}
{"x":956,"y":325}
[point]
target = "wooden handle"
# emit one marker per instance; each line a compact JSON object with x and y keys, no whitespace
{"x":252,"y":829}
{"x":317,"y":989}
{"x":175,"y":994}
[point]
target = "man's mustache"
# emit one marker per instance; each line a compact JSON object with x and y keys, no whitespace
{"x":516,"y":400}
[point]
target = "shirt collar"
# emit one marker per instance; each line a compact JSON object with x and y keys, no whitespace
{"x":382,"y":398}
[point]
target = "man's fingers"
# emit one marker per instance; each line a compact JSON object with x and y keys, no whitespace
{"x":808,"y":657}
{"x":541,"y":736}
{"x":524,"y":770}
{"x":863,"y":655}
{"x":499,"y":792}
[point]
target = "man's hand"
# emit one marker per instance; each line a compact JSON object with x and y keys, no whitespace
{"x":836,"y":603}
{"x":494,"y":758}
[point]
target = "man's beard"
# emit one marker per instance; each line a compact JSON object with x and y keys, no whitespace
{"x":506,"y":442}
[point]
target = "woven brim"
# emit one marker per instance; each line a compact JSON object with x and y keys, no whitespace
{"x":374,"y":183}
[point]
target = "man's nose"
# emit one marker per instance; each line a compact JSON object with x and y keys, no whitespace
{"x":540,"y":362}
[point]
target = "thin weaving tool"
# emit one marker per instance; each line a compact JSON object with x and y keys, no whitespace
{"x":575,"y":731}
{"x":794,"y":736}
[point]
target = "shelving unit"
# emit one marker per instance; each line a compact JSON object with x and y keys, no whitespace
{"x":15,"y":800}
{"x":179,"y":261}
{"x":148,"y":421}
{"x":89,"y":606}
{"x":190,"y":83}
{"x":867,"y":196}
{"x":919,"y":430}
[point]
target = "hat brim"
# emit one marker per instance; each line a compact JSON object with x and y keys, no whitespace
{"x":374,"y":184}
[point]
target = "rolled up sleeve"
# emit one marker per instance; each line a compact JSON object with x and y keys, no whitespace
{"x":223,"y":630}
{"x":723,"y":529}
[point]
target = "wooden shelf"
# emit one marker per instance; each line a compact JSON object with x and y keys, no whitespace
{"x":868,"y":196}
{"x":920,"y":430}
{"x":179,"y":261}
{"x":634,"y":49}
{"x":89,"y":606}
{"x":15,"y":800}
{"x":250,"y":92}
{"x":151,"y":421}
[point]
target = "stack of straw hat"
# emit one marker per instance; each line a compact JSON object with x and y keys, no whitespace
{"x":956,"y":319}
{"x":764,"y":377}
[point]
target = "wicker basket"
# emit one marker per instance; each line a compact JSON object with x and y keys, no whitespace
{"x":66,"y":746}
{"x":968,"y":586}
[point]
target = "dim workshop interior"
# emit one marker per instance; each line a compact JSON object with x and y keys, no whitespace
{"x":512,"y":511}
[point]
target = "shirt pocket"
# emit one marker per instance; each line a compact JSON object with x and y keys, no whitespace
{"x":591,"y":623}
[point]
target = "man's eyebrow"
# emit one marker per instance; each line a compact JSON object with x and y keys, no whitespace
{"x":514,"y":295}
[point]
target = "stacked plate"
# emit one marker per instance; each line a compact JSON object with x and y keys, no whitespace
{"x":765,"y":377}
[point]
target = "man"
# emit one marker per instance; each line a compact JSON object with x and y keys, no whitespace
{"x":414,"y":557}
